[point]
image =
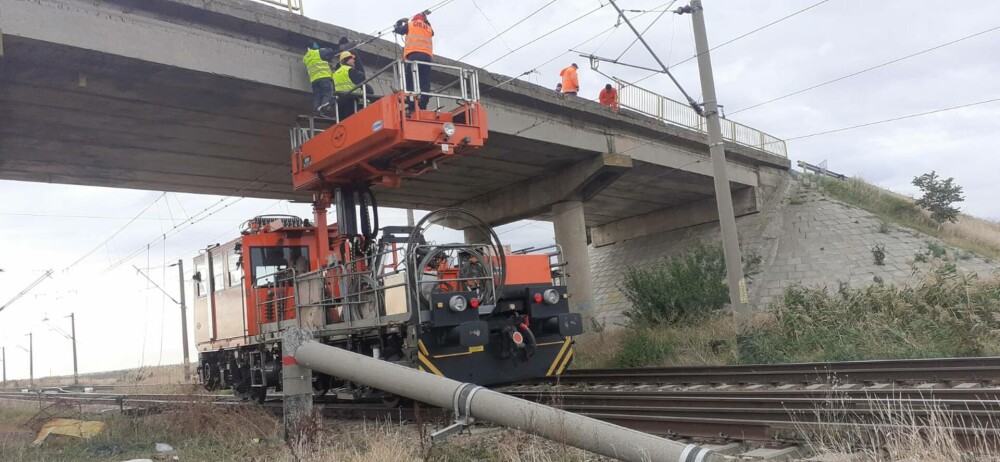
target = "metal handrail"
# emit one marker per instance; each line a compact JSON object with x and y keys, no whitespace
{"x":293,"y":6}
{"x":641,"y":100}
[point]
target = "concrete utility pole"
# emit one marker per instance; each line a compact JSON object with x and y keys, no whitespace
{"x":184,"y":330}
{"x":4,"y":360}
{"x":72,"y":324}
{"x":723,"y":195}
{"x":182,"y":303}
{"x":470,"y":402}
{"x":31,"y":360}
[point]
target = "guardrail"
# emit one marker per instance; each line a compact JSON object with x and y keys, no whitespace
{"x":646,"y":102}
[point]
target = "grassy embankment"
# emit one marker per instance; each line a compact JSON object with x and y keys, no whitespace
{"x":677,"y":316}
{"x":976,"y":235}
{"x":202,"y":432}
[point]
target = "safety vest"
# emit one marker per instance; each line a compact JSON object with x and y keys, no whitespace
{"x":419,"y":38}
{"x":570,"y":82}
{"x":342,"y":80}
{"x":317,"y":68}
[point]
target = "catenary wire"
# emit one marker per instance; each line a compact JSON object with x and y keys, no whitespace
{"x":490,"y":22}
{"x":894,"y":119}
{"x":544,"y":35}
{"x":877,"y":66}
{"x":534,"y":69}
{"x":112,"y":236}
{"x":97,"y":217}
{"x":765,"y":26}
{"x":500,"y":34}
{"x":636,"y":40}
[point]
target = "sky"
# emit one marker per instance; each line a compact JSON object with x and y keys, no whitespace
{"x":86,"y":235}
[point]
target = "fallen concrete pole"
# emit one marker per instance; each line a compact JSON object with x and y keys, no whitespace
{"x":472,"y":401}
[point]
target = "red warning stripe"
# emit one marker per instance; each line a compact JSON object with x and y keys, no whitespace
{"x":288,"y":361}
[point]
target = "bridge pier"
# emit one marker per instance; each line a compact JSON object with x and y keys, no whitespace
{"x":571,"y":234}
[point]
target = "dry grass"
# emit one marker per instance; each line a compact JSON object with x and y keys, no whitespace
{"x":975,"y":235}
{"x":710,"y":342}
{"x":201,"y":431}
{"x":905,"y":433}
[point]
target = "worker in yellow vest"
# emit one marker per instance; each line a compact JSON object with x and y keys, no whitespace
{"x":317,"y":64}
{"x":419,"y":48}
{"x":346,"y":79}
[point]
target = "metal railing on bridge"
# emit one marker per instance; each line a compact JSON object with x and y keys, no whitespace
{"x":293,"y":6}
{"x":641,"y":100}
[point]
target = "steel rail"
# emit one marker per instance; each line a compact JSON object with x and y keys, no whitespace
{"x":973,"y":370}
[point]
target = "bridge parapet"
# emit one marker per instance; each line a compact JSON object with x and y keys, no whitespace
{"x":641,"y":100}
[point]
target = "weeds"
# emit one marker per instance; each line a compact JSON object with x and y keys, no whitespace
{"x":973,"y":234}
{"x":946,"y":314}
{"x":878,"y":253}
{"x":936,"y":250}
{"x":883,"y":227}
{"x":682,"y":288}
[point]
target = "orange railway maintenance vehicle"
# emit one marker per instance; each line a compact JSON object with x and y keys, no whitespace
{"x":468,"y":311}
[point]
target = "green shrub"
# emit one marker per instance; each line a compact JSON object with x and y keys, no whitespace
{"x":681,"y":289}
{"x":878,"y":253}
{"x":947,"y":314}
{"x":642,"y":348}
{"x":936,"y":250}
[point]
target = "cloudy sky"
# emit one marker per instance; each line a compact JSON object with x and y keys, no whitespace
{"x":87,"y":237}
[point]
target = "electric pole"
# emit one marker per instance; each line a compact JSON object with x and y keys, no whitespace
{"x":183,"y":305}
{"x":72,"y":324}
{"x":723,"y":196}
{"x":184,"y":330}
{"x":31,"y":360}
{"x":4,"y":349}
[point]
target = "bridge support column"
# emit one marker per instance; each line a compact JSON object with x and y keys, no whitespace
{"x":475,"y":235}
{"x":296,"y":384}
{"x":571,"y":234}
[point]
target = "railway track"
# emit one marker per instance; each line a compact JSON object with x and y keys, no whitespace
{"x":780,"y":404}
{"x":958,"y":370}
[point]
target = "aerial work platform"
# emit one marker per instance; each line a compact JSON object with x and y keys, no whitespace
{"x":384,"y":142}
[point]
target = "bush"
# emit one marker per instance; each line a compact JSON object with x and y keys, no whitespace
{"x":878,"y":253}
{"x":680,"y":289}
{"x":642,"y":348}
{"x":947,"y":314}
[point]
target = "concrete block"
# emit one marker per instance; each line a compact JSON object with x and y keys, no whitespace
{"x":931,"y":386}
{"x":881,"y":386}
{"x":968,"y":385}
{"x":789,"y":453}
{"x":853,"y":457}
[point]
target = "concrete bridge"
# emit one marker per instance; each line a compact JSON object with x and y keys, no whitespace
{"x":197,"y":96}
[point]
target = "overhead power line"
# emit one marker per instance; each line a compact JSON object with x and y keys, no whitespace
{"x":894,"y":119}
{"x":853,"y":74}
{"x":500,"y":34}
{"x":25,"y":291}
{"x":635,"y":40}
{"x":765,"y":26}
{"x":544,"y":35}
{"x":98,"y":217}
{"x":112,"y":236}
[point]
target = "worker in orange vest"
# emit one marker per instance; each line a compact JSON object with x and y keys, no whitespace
{"x":419,"y":48}
{"x":609,"y":97}
{"x":570,"y":81}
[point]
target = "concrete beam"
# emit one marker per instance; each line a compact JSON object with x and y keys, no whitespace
{"x":580,"y":182}
{"x":683,"y":216}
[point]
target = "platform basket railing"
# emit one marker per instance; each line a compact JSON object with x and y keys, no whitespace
{"x":635,"y":98}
